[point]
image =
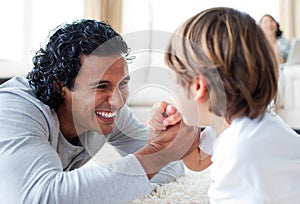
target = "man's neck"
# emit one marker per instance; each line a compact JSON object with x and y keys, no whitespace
{"x":67,"y":127}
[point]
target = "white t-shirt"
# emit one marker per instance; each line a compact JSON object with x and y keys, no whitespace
{"x":256,"y":161}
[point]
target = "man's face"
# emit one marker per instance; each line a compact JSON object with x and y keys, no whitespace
{"x":100,"y":91}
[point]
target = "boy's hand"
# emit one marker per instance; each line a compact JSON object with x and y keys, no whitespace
{"x":162,"y":115}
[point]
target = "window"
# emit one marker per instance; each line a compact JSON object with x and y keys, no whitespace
{"x":11,"y":29}
{"x":25,"y":25}
{"x":167,"y":15}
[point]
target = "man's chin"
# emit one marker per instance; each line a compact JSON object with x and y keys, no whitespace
{"x":106,"y":129}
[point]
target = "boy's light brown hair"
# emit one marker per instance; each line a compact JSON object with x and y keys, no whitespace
{"x":230,"y":50}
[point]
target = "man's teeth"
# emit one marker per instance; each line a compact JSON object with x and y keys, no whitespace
{"x":106,"y":115}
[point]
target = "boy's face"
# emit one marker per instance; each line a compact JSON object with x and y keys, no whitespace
{"x":195,"y":112}
{"x":100,"y":91}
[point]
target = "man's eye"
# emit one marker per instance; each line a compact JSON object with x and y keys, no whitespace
{"x":102,"y":86}
{"x":123,"y":83}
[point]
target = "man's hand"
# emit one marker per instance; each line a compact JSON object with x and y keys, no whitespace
{"x":172,"y":144}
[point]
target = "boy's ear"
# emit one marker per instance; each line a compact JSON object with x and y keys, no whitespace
{"x":201,"y":90}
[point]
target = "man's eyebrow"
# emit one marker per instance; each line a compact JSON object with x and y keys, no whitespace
{"x":99,"y":82}
{"x":127,"y":78}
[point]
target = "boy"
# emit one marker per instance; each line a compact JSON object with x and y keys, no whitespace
{"x":229,"y":72}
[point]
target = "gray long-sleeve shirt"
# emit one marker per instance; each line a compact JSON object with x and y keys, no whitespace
{"x":38,"y":165}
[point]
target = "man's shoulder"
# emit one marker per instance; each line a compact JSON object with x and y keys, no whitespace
{"x":17,"y":97}
{"x":18,"y":85}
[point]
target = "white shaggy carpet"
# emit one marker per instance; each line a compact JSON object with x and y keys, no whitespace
{"x":190,"y":189}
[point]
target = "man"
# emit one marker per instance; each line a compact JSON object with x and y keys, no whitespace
{"x":71,"y":103}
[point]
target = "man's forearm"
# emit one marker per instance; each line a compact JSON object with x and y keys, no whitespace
{"x":151,"y":161}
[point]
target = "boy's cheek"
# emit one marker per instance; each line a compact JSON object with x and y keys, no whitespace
{"x":188,"y":108}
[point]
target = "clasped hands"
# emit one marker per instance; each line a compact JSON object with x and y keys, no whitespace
{"x":169,"y":139}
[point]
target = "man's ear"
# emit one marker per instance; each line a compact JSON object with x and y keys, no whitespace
{"x":65,"y":92}
{"x":201,"y":89}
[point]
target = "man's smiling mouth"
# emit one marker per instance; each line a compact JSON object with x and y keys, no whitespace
{"x":106,"y":114}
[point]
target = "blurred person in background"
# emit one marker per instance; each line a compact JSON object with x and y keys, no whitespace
{"x":280,"y":44}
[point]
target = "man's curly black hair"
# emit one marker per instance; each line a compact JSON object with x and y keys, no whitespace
{"x":58,"y":63}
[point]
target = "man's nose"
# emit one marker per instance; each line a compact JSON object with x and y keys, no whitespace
{"x":116,"y":98}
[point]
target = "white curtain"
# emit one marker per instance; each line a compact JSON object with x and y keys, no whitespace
{"x":290,"y":18}
{"x":109,"y":11}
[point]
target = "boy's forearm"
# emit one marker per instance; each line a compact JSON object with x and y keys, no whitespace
{"x":197,"y":160}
